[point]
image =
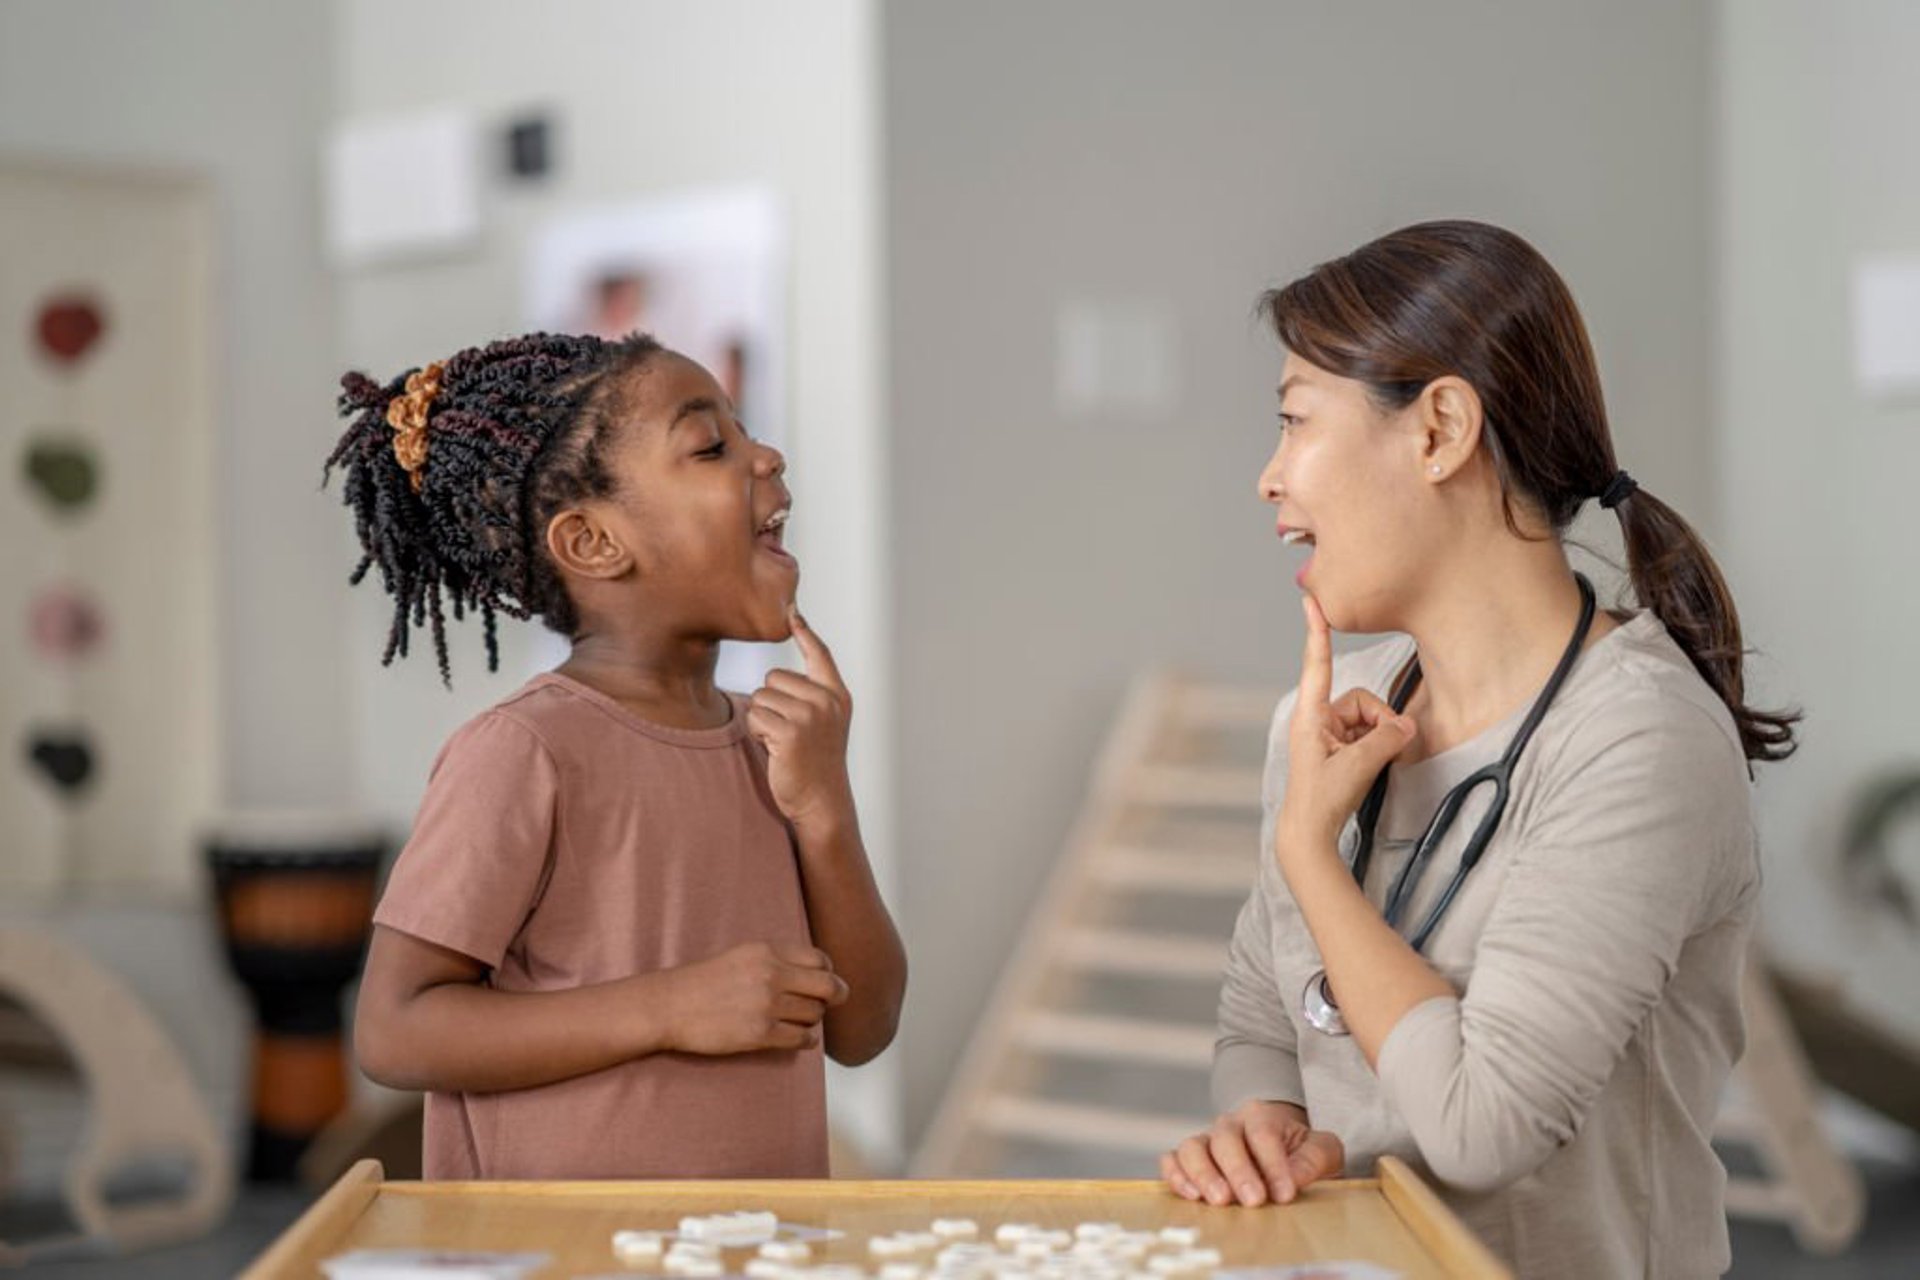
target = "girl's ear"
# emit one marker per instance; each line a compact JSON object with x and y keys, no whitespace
{"x":581,"y":545}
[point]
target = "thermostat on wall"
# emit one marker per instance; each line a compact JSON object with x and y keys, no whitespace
{"x":1886,"y":325}
{"x":1115,"y":356}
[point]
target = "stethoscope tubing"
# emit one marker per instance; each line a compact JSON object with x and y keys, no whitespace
{"x":1324,"y":1013}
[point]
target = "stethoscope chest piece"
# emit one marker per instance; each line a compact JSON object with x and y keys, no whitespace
{"x":1318,"y":1008}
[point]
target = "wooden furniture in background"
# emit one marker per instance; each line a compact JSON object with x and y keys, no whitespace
{"x":143,"y":1106}
{"x":1807,"y":1182}
{"x":1169,"y":831}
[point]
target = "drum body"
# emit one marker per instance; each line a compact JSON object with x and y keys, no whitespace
{"x":295,"y":905}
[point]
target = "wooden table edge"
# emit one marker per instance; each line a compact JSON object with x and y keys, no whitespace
{"x":828,"y":1189}
{"x":331,"y":1216}
{"x":328,"y":1217}
{"x":1435,"y":1226}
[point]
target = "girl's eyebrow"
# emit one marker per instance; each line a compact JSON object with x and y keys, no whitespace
{"x":690,"y":408}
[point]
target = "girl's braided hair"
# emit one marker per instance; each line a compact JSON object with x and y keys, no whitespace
{"x":514,"y":432}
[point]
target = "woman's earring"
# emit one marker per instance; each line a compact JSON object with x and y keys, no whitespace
{"x":1436,"y":468}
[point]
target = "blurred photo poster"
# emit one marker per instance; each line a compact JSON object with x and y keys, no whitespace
{"x":705,"y":272}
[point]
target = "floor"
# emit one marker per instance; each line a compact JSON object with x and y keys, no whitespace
{"x":258,"y":1217}
{"x":1888,"y":1249}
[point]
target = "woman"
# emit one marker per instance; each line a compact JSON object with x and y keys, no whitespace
{"x":1541,"y":1012}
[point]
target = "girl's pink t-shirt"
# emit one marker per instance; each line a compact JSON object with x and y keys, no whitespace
{"x":565,"y":841}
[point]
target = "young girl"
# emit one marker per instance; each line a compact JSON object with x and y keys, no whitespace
{"x":635,"y":910}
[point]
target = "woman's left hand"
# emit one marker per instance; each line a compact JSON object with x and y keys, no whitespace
{"x":802,"y":720}
{"x":1334,"y":749}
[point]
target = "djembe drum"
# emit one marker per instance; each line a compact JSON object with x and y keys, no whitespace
{"x":295,"y":896}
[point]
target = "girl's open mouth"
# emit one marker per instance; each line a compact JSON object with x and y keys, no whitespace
{"x":771,"y":536}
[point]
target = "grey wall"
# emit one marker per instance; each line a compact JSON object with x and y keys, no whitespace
{"x":1819,"y":112}
{"x":1189,"y":155}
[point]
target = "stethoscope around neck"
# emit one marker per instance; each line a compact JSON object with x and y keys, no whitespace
{"x":1318,"y":1005}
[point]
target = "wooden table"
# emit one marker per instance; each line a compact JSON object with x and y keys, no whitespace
{"x":1392,"y":1220}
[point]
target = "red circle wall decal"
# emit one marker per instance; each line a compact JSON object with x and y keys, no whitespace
{"x":69,"y":326}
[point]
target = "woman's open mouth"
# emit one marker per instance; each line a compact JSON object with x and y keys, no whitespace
{"x":1299,"y":538}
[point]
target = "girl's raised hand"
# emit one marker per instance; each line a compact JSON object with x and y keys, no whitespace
{"x":803,"y":720}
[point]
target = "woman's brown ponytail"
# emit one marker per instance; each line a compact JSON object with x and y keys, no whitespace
{"x":1674,"y":575}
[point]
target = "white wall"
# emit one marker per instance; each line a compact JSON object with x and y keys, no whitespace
{"x":649,"y":97}
{"x":1819,"y":120}
{"x":238,"y":93}
{"x":1189,"y":155}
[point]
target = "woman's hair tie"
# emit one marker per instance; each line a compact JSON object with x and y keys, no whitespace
{"x":1618,"y":490}
{"x":407,"y":415}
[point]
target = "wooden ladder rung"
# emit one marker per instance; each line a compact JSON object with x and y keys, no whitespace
{"x":1084,"y":1035}
{"x":1226,"y":705}
{"x":1172,"y":813}
{"x":1194,"y":786}
{"x":1760,"y":1198}
{"x":1149,"y":955}
{"x":1742,"y":1124}
{"x":1107,"y":1128}
{"x":1191,"y":833}
{"x":1203,"y":874}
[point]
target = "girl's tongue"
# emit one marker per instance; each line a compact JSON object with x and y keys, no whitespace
{"x":772,"y":536}
{"x":770,"y":543}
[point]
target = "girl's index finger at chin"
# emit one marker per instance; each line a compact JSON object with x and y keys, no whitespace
{"x":814,"y":652}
